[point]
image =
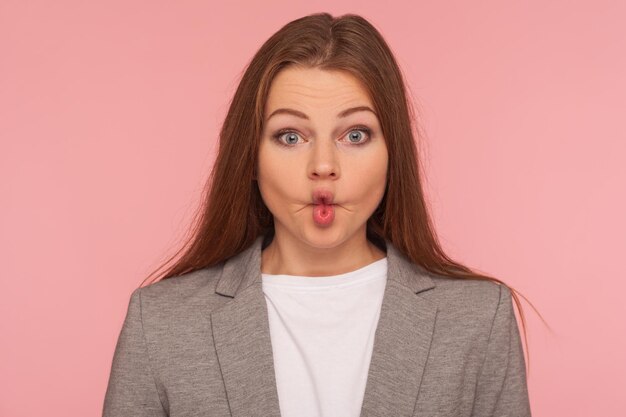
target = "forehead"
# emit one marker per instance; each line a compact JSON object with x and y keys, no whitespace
{"x":314,"y":88}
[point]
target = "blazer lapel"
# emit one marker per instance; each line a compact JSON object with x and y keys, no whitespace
{"x":401,"y":344}
{"x":242,"y":337}
{"x":402,"y":340}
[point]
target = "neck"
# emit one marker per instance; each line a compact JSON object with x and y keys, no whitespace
{"x":290,"y":256}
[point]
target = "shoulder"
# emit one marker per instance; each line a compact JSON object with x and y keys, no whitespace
{"x":468,"y":294}
{"x":196,"y":288}
{"x":469,"y":303}
{"x":175,"y":312}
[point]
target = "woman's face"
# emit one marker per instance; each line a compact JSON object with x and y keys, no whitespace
{"x":319,"y":140}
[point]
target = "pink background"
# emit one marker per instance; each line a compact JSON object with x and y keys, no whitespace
{"x":109,"y":114}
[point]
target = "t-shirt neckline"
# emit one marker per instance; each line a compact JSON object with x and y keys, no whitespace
{"x":373,"y":270}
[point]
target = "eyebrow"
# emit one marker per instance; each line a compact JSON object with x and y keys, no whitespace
{"x":344,"y":113}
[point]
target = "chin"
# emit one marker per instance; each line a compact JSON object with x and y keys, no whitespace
{"x":324,"y":238}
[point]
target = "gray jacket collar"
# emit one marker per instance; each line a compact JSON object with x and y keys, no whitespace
{"x":401,"y":343}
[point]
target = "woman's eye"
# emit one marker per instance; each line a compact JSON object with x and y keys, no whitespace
{"x":286,"y":138}
{"x":290,"y":138}
{"x":356,"y":135}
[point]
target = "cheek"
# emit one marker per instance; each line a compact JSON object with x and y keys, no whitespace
{"x":369,"y":174}
{"x":276,"y":178}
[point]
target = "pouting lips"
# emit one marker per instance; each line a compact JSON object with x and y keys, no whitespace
{"x":323,"y":197}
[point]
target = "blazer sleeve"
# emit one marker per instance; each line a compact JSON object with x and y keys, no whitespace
{"x":131,"y":389}
{"x":501,"y":388}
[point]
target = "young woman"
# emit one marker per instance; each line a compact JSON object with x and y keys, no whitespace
{"x":314,"y":284}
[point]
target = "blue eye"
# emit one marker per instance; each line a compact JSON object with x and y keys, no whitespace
{"x":292,"y":137}
{"x":353,"y":136}
{"x":355,"y":133}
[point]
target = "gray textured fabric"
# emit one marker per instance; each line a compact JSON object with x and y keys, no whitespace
{"x":199,"y":345}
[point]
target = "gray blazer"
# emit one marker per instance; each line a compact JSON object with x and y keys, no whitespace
{"x":199,"y":345}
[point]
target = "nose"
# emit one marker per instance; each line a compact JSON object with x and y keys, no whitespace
{"x":323,"y":160}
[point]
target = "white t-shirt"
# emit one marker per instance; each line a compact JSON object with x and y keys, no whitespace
{"x":322,"y":332}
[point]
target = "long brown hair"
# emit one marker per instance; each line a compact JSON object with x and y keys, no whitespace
{"x":233,"y":215}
